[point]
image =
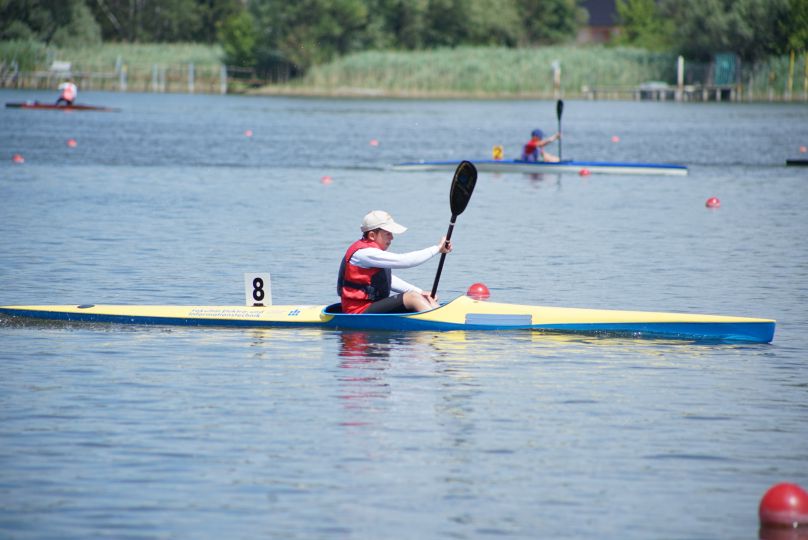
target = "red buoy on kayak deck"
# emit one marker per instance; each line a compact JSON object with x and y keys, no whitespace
{"x":713,"y":202}
{"x":478,"y":291}
{"x":17,"y":158}
{"x":72,"y":143}
{"x":584,"y":172}
{"x":784,"y":505}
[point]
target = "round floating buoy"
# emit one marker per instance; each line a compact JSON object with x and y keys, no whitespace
{"x":803,"y":149}
{"x":17,"y":158}
{"x":248,"y":133}
{"x":374,"y":142}
{"x":615,"y":139}
{"x":72,"y":143}
{"x":784,"y":505}
{"x":497,"y":152}
{"x":326,"y":180}
{"x":478,"y":291}
{"x":584,"y":172}
{"x":712,"y":202}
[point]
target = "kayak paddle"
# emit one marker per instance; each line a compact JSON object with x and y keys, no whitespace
{"x":559,"y":111}
{"x":465,"y":177}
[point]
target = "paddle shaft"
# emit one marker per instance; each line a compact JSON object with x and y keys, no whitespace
{"x":443,"y":256}
{"x":559,"y":112}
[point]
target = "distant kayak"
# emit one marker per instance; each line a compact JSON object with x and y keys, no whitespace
{"x":797,"y":162}
{"x":54,"y":107}
{"x":567,"y":166}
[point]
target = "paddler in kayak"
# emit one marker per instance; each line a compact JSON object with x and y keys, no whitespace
{"x":366,"y":284}
{"x":534,"y":149}
{"x":68,"y":92}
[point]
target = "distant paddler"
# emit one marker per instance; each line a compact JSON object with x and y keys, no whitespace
{"x":534,"y":149}
{"x":68,"y":92}
{"x":366,"y":283}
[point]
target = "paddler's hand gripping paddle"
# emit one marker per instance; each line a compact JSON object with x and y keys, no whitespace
{"x":465,"y":177}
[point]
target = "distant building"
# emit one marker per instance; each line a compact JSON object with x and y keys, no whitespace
{"x":602,"y":25}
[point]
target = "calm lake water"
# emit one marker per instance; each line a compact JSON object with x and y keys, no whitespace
{"x":157,"y":432}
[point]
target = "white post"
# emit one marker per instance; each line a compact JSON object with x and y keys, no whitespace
{"x":680,"y":78}
{"x":191,"y":78}
{"x":223,"y":79}
{"x":556,"y":65}
{"x":154,"y":78}
{"x":122,"y":83}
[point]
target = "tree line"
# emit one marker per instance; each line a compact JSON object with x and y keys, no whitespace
{"x":265,"y":34}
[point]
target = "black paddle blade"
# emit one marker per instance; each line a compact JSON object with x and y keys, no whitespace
{"x":465,"y":178}
{"x":559,"y":109}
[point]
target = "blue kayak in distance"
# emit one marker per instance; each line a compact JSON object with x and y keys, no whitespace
{"x":538,"y":167}
{"x":462,"y":313}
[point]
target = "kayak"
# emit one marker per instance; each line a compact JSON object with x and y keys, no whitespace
{"x":53,"y":106}
{"x":797,"y":162}
{"x":462,"y":313}
{"x":567,"y":166}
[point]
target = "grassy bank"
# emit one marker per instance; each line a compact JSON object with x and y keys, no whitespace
{"x":494,"y":70}
{"x":32,"y":56}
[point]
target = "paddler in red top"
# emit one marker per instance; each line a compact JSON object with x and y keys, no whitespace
{"x":68,"y":94}
{"x":535,"y":147}
{"x":365,"y":280}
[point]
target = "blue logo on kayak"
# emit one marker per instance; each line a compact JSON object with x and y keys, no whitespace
{"x":294,"y":312}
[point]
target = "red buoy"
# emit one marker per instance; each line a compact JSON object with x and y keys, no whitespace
{"x":784,"y":505}
{"x":17,"y":158}
{"x":478,"y":291}
{"x":326,"y":180}
{"x":803,"y":149}
{"x":713,"y":202}
{"x":615,"y":139}
{"x":374,"y":142}
{"x":248,"y":133}
{"x":72,"y":143}
{"x":584,"y":172}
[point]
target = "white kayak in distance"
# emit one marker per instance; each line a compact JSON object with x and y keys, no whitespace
{"x":538,"y":167}
{"x":462,"y":313}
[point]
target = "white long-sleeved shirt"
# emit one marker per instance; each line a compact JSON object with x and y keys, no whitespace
{"x":378,"y":258}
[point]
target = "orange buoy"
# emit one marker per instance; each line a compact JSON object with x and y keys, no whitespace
{"x":713,"y":202}
{"x":584,"y":172}
{"x":248,"y":133}
{"x":478,"y":291}
{"x":374,"y":142}
{"x":326,"y":180}
{"x":17,"y":158}
{"x":784,"y":505}
{"x":803,"y":149}
{"x":72,"y":143}
{"x":615,"y":139}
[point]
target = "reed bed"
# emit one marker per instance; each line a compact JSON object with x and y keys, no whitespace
{"x":498,"y":70}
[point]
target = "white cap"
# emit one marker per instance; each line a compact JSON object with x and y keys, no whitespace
{"x":379,"y":219}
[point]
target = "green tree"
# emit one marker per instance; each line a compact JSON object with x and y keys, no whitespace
{"x":307,"y":32}
{"x":750,"y":28}
{"x":239,"y":36}
{"x":644,"y":25}
{"x":48,"y":21}
{"x":551,"y":21}
{"x":796,"y":26}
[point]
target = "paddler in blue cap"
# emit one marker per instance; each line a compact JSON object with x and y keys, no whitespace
{"x":534,"y":149}
{"x":366,"y":283}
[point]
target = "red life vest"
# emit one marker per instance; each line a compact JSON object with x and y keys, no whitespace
{"x":359,"y":287}
{"x":530,"y":151}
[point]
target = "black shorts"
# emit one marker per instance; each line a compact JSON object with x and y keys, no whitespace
{"x":391,"y":304}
